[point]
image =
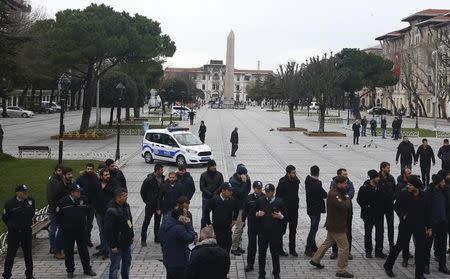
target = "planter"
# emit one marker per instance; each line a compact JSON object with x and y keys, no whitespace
{"x":273,"y":110}
{"x":86,"y":136}
{"x":324,"y":134}
{"x":287,"y":129}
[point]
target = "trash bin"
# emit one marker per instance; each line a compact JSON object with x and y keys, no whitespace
{"x":145,"y":125}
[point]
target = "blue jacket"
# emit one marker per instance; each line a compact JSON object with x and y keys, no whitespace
{"x":88,"y":183}
{"x":175,"y":238}
{"x":188,"y":184}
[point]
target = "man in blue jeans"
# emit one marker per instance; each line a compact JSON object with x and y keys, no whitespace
{"x":119,"y":234}
{"x":315,"y":205}
{"x":210,"y":182}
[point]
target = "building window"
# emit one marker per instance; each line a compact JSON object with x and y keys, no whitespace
{"x":247,"y":78}
{"x":203,"y":87}
{"x":204,"y":77}
{"x":238,"y":78}
{"x":237,"y":87}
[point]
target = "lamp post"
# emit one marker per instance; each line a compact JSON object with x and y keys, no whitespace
{"x":435,"y":53}
{"x":121,"y":87}
{"x":182,"y":103}
{"x":347,"y":97}
{"x":162,"y":92}
{"x":63,"y":87}
{"x":171,"y":92}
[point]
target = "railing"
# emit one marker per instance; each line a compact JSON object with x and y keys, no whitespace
{"x":123,"y":132}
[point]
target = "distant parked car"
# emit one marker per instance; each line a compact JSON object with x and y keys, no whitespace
{"x":314,"y":106}
{"x":378,"y":111}
{"x":14,"y":111}
{"x":183,"y":110}
{"x":51,"y":108}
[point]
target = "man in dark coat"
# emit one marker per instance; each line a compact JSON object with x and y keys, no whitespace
{"x":55,"y":192}
{"x":315,"y":206}
{"x":387,"y":186}
{"x":287,"y":190}
{"x":149,"y":194}
{"x":169,"y":192}
{"x":202,"y":131}
{"x":1,"y":138}
{"x":373,"y":127}
{"x":356,"y":127}
{"x":383,"y":127}
{"x":363,"y":126}
{"x":444,"y":155}
{"x":116,"y":173}
{"x":370,"y":198}
{"x":234,"y":142}
{"x":396,"y":126}
{"x":426,"y":155}
{"x":406,"y":153}
{"x":208,"y":260}
{"x":210,"y":182}
{"x":186,"y":181}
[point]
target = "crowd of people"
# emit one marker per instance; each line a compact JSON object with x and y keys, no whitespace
{"x":359,"y":128}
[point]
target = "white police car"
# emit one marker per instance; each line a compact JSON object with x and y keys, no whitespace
{"x":174,"y":145}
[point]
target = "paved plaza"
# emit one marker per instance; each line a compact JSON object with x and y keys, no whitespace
{"x":265,"y":152}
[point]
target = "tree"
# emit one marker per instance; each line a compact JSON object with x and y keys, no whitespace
{"x":409,"y":78}
{"x":172,"y":90}
{"x":290,"y":84}
{"x":256,"y":91}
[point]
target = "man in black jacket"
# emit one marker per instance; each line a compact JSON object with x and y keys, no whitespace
{"x":356,"y":128}
{"x":187,"y":182}
{"x":224,"y":215}
{"x":55,"y":191}
{"x":370,"y":198}
{"x":270,"y":212}
{"x":119,"y":234}
{"x":444,"y":155}
{"x":169,"y":192}
{"x":72,"y":212}
{"x":234,"y":142}
{"x":210,"y":182}
{"x":405,"y":151}
{"x":149,"y":194}
{"x":202,"y":131}
{"x":363,"y":126}
{"x":116,"y":173}
{"x":18,"y":215}
{"x":383,"y":127}
{"x":373,"y":127}
{"x":414,"y":208}
{"x":387,"y":186}
{"x":287,"y":190}
{"x":315,"y":206}
{"x":252,"y":230}
{"x":426,"y":155}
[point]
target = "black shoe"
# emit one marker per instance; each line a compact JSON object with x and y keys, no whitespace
{"x":318,"y":265}
{"x":405,"y":263}
{"x":261,"y":277}
{"x":426,"y":269}
{"x":333,"y":256}
{"x":90,"y":273}
{"x":98,"y":254}
{"x":276,"y":277}
{"x":444,"y":270}
{"x":248,"y":268}
{"x":157,"y":240}
{"x":143,"y":244}
{"x":235,"y":252}
{"x":350,"y":256}
{"x":380,"y":255}
{"x":30,"y":277}
{"x":283,"y":253}
{"x":389,"y":272}
{"x":98,"y":247}
{"x":344,"y":275}
{"x":420,"y":277}
{"x":369,"y":255}
{"x":293,"y":253}
{"x":70,"y":275}
{"x":90,"y":244}
{"x":242,"y":251}
{"x":104,"y":257}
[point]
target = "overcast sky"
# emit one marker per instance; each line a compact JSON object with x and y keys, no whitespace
{"x":272,"y":31}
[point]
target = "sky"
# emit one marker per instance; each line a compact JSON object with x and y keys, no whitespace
{"x":272,"y":32}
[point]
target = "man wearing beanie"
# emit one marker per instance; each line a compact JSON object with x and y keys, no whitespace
{"x":210,"y":182}
{"x":437,"y":195}
{"x":370,"y":198}
{"x":414,"y":210}
{"x":387,"y":186}
{"x":240,"y":181}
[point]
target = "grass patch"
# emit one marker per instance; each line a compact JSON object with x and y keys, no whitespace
{"x":423,"y":133}
{"x":33,"y":173}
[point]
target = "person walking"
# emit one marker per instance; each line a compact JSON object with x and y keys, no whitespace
{"x":373,"y":127}
{"x":169,"y":192}
{"x":224,"y":215}
{"x":55,"y":192}
{"x":402,"y":183}
{"x":356,"y":127}
{"x":414,"y":209}
{"x":187,"y":182}
{"x":387,"y":186}
{"x":208,"y":260}
{"x":119,"y":234}
{"x":116,"y":173}
{"x":149,"y":194}
{"x":252,"y":230}
{"x":338,"y":204}
{"x":406,"y":153}
{"x":315,"y":206}
{"x":287,"y":190}
{"x":176,"y":235}
{"x":191,"y":115}
{"x":270,"y":213}
{"x":202,"y":131}
{"x":383,"y":127}
{"x":363,"y":126}
{"x":1,"y":138}
{"x":444,"y":155}
{"x":439,"y":222}
{"x":426,"y":155}
{"x":72,"y":213}
{"x":234,"y":142}
{"x":240,"y":181}
{"x":210,"y":182}
{"x":396,"y":128}
{"x":370,"y":198}
{"x":18,"y":215}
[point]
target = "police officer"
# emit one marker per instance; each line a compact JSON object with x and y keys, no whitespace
{"x":270,"y":212}
{"x":18,"y":216}
{"x":72,"y":213}
{"x":250,"y":214}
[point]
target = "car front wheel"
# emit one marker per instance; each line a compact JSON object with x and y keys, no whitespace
{"x":24,"y":115}
{"x":148,"y":158}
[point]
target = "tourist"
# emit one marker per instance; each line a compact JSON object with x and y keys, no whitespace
{"x":210,"y":182}
{"x":119,"y":234}
{"x":287,"y":190}
{"x":363,"y":126}
{"x":426,"y":155}
{"x":338,"y":204}
{"x":149,"y":194}
{"x":387,"y":186}
{"x":208,"y":260}
{"x":444,"y":155}
{"x":240,"y":181}
{"x":315,"y":206}
{"x":18,"y":215}
{"x":396,"y":124}
{"x":168,"y":194}
{"x":191,"y":115}
{"x":370,"y":198}
{"x":252,"y":230}
{"x":55,"y":192}
{"x":186,"y":181}
{"x":373,"y":127}
{"x":383,"y":127}
{"x":356,"y":127}
{"x":202,"y":131}
{"x":406,"y":153}
{"x":72,"y":213}
{"x":116,"y":173}
{"x":234,"y":142}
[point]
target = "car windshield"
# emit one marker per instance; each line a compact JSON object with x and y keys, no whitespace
{"x":187,"y":139}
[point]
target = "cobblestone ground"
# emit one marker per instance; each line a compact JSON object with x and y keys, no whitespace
{"x":266,"y":154}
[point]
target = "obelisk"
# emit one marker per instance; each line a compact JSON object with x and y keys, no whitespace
{"x":228,"y":95}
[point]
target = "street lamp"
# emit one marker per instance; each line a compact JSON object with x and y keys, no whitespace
{"x":63,"y":88}
{"x":171,"y":92}
{"x":182,"y":103}
{"x":162,"y":92}
{"x":347,"y":97}
{"x":121,"y":87}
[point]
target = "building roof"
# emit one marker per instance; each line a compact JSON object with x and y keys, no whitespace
{"x":428,"y":13}
{"x":394,"y":34}
{"x":438,"y":20}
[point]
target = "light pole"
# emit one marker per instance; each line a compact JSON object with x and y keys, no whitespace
{"x":162,"y":92}
{"x":63,"y":87}
{"x":435,"y":53}
{"x":182,"y":103}
{"x":347,"y":97}
{"x":97,"y":111}
{"x":121,"y":87}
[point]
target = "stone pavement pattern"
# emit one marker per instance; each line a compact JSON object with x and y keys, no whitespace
{"x":266,"y":154}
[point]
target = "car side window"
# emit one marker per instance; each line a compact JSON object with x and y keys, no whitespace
{"x":154,"y":137}
{"x":168,"y":140}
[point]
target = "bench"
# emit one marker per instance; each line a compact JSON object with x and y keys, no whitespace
{"x":39,"y":149}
